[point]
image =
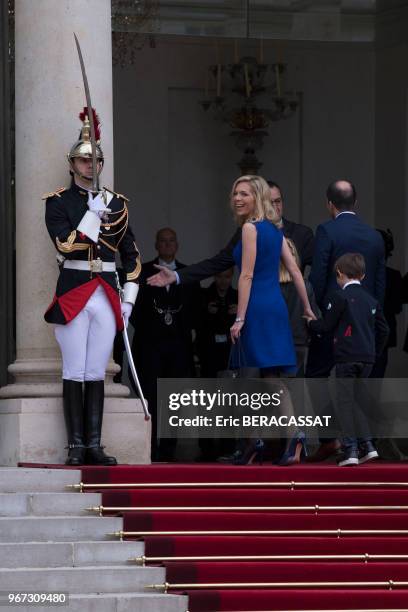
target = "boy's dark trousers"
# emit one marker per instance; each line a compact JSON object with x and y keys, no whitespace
{"x":350,"y":403}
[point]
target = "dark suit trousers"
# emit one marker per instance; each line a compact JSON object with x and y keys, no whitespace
{"x":165,"y":359}
{"x":350,"y":412}
{"x":320,"y":362}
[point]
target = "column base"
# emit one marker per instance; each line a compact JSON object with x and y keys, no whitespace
{"x":32,"y":430}
{"x":43,"y":378}
{"x":54,"y":390}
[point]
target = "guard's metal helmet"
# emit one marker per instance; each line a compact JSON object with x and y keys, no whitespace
{"x":82,"y":147}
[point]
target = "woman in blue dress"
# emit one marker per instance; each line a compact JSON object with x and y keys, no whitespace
{"x":262,"y":323}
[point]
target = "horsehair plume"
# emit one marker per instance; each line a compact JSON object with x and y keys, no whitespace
{"x":96,"y":121}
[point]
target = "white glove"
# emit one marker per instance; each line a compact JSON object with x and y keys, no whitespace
{"x":126,"y":311}
{"x":97,"y":205}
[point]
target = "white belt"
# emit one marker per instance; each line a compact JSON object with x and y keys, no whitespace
{"x":95,"y":265}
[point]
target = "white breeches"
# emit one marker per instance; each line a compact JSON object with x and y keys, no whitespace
{"x":86,"y":342}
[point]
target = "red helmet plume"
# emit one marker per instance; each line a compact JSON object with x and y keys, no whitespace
{"x":96,"y":121}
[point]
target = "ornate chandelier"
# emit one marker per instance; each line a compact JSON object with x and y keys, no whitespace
{"x":237,"y":104}
{"x":133,"y":24}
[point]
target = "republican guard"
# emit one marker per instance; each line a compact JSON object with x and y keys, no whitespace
{"x":88,"y":228}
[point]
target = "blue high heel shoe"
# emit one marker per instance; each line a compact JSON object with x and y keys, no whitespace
{"x":253,"y":453}
{"x":296,"y":451}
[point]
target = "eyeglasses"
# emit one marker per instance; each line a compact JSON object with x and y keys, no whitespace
{"x":277,"y":201}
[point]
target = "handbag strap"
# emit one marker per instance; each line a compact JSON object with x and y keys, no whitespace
{"x":241,"y":355}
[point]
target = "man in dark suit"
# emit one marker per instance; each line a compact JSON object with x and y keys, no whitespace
{"x":163,"y":319}
{"x":393,"y":303}
{"x":344,"y":233}
{"x":301,"y":235}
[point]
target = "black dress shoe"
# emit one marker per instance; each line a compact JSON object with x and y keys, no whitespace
{"x":252,"y":454}
{"x":325,"y":451}
{"x":233,"y":458}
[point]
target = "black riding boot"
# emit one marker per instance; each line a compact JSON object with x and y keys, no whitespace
{"x":94,"y":396}
{"x":74,"y":421}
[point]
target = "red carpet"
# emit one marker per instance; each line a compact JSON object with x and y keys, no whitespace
{"x":262,"y":521}
{"x":180,"y":546}
{"x":223,"y":499}
{"x":178,"y":472}
{"x":301,"y":526}
{"x":316,"y":599}
{"x":256,"y":497}
{"x":243,"y":571}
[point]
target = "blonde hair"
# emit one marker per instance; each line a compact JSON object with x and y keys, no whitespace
{"x":264,"y":209}
{"x":284,"y":276}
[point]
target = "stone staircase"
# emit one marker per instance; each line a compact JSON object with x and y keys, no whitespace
{"x":48,"y":542}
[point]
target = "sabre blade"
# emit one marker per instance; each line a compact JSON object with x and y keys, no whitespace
{"x":95,"y":179}
{"x":134,"y":373}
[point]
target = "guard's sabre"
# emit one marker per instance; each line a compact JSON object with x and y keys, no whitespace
{"x":95,"y":178}
{"x":95,"y":187}
{"x":134,"y":373}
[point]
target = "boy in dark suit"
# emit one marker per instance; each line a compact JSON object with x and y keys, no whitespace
{"x":360,"y":334}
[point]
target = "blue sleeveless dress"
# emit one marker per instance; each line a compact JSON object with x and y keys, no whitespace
{"x":266,"y":337}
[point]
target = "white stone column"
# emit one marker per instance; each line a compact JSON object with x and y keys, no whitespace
{"x":49,"y":97}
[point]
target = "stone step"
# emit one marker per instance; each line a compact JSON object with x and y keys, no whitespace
{"x":14,"y":480}
{"x":50,"y":543}
{"x":128,"y":602}
{"x":81,"y":580}
{"x":57,"y":528}
{"x":48,"y":504}
{"x":67,"y":554}
{"x":117,"y":602}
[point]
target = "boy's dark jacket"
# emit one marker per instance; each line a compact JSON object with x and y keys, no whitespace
{"x":357,"y":322}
